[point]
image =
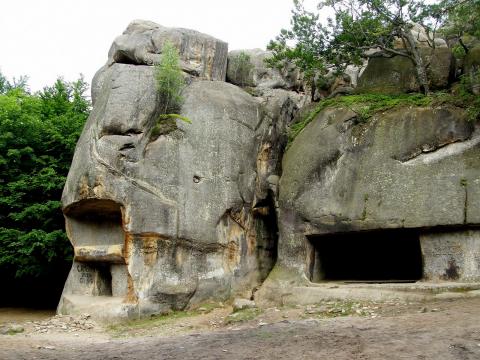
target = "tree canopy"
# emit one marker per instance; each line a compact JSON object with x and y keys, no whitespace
{"x":358,"y":26}
{"x":38,"y":134}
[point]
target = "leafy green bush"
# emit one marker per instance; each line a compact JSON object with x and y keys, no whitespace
{"x":170,"y":80}
{"x":170,"y":85}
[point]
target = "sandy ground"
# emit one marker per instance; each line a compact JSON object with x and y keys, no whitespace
{"x":433,"y":330}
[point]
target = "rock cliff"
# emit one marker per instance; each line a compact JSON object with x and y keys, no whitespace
{"x":165,"y":221}
{"x":192,"y":212}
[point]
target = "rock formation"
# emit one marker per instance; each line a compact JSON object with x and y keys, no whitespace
{"x":162,"y":222}
{"x":191,"y":212}
{"x":395,"y":198}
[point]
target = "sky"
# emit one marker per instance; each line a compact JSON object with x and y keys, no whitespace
{"x":45,"y":39}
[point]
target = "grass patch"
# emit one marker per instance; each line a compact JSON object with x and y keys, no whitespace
{"x":243,"y":315}
{"x":157,"y":321}
{"x":367,"y":105}
{"x":150,"y":322}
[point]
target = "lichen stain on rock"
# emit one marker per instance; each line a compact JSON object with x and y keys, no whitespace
{"x":451,"y":273}
{"x":131,"y":297}
{"x":232,"y":254}
{"x":149,"y":248}
{"x":83,"y":188}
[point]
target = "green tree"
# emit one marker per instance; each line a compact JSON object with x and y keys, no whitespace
{"x":310,"y":40}
{"x":38,"y":134}
{"x":356,"y":27}
{"x":463,"y":21}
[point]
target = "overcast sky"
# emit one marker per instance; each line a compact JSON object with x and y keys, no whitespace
{"x":51,"y":38}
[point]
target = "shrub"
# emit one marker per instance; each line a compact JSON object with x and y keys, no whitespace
{"x":241,"y":66}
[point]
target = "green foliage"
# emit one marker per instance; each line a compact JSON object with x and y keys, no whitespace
{"x":367,"y":105}
{"x":463,"y":23}
{"x":310,"y":40}
{"x":170,"y":80}
{"x":241,"y":66}
{"x":170,"y":85}
{"x":243,"y":315}
{"x":357,"y":26}
{"x":38,"y":134}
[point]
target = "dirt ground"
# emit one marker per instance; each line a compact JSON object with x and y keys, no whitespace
{"x":447,"y":329}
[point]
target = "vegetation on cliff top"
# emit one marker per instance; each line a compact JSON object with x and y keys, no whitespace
{"x":170,"y":83}
{"x":38,"y":134}
{"x":367,"y":105}
{"x":357,"y":27}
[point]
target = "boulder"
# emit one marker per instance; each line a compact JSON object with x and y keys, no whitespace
{"x":407,"y":181}
{"x":242,"y":304}
{"x":163,"y":214}
{"x":141,"y":44}
{"x":395,"y":75}
{"x":248,"y":68}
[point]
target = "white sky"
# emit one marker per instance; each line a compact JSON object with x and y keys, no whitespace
{"x":45,"y":39}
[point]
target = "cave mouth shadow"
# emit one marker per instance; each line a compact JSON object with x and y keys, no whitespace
{"x":392,"y":255}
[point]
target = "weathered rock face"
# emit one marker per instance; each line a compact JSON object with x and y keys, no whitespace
{"x":169,"y":219}
{"x":255,"y":73}
{"x":164,"y":214}
{"x":368,"y":201}
{"x":396,"y":75}
{"x":141,"y":44}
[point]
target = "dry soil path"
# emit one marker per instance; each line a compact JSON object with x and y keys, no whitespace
{"x":452,"y":332}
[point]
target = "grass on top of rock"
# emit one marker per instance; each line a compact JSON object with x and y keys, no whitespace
{"x":367,"y":105}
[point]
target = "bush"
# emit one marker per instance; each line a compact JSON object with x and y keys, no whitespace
{"x":241,"y":66}
{"x":170,"y":79}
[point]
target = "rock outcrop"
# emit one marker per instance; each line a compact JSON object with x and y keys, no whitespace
{"x":170,"y":218}
{"x":248,"y":68}
{"x":141,"y":44}
{"x":164,"y":214}
{"x":363,"y":200}
{"x":396,"y":75}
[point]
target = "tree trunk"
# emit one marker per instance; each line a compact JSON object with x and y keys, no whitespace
{"x":418,"y":62}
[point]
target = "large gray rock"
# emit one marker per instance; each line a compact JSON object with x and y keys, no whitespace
{"x":407,"y":174}
{"x":141,"y":44}
{"x":248,"y":68}
{"x":163,"y":214}
{"x":163,"y":221}
{"x":395,"y":75}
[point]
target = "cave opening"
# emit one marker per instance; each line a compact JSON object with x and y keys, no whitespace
{"x":267,"y":235}
{"x":372,"y":256}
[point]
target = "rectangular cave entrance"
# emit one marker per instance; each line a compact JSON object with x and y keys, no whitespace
{"x":372,"y":256}
{"x":95,"y":229}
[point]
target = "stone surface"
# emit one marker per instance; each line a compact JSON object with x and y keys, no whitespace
{"x":396,"y":75}
{"x":451,"y":256}
{"x":413,"y":168}
{"x":241,"y":304}
{"x":141,"y":44}
{"x":257,"y":74}
{"x":166,"y":222}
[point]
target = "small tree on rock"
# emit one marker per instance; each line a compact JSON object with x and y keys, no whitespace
{"x":356,"y":27}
